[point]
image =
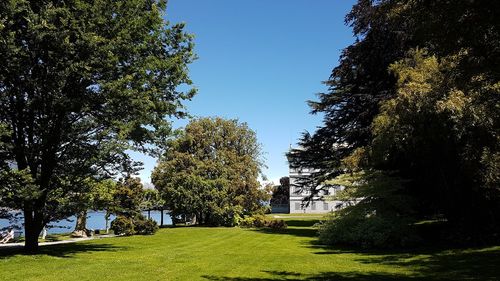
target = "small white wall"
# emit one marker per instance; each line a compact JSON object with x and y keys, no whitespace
{"x":315,"y":207}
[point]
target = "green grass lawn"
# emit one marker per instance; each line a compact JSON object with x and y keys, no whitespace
{"x":198,"y":253}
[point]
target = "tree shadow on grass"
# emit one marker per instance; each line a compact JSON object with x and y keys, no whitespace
{"x":430,"y":263}
{"x":337,"y":276}
{"x":300,"y":228}
{"x":301,"y":223}
{"x":433,"y":262}
{"x":63,"y":250}
{"x":295,"y":231}
{"x":439,"y":264}
{"x":470,"y":265}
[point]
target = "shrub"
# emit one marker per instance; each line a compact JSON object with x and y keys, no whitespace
{"x":236,"y":220}
{"x":344,"y":228}
{"x":145,"y":226}
{"x":260,"y":221}
{"x":122,"y":225}
{"x":247,"y":222}
{"x":276,"y":224}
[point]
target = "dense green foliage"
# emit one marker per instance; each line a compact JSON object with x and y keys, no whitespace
{"x":128,"y":197}
{"x":152,"y":200}
{"x":128,"y":200}
{"x":80,"y":83}
{"x":123,"y":225}
{"x":383,"y":217}
{"x":145,"y":226}
{"x":234,"y":254}
{"x":124,"y":198}
{"x":103,"y":198}
{"x":416,"y":99}
{"x":281,"y":192}
{"x":210,"y":172}
{"x":98,"y":196}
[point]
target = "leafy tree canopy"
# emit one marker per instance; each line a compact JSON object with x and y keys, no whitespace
{"x":80,"y":83}
{"x":281,"y":192}
{"x":211,"y":172}
{"x":128,"y":197}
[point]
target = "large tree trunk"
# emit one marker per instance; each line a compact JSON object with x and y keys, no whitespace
{"x":31,"y":239}
{"x":81,"y":221}
{"x":81,"y":225}
{"x":32,"y":229}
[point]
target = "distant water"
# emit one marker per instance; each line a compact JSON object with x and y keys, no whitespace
{"x":95,"y":220}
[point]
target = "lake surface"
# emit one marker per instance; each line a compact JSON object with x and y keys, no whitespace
{"x":95,"y":220}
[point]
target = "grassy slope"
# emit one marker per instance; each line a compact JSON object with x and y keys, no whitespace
{"x":241,"y":254}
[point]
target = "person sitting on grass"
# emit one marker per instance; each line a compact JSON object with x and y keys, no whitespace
{"x":8,"y":236}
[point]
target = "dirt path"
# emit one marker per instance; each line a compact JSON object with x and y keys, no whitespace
{"x":72,"y":240}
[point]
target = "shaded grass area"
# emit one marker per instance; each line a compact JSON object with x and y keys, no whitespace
{"x":60,"y":251}
{"x":54,"y":237}
{"x":199,"y":253}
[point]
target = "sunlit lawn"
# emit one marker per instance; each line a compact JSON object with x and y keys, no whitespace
{"x":196,"y":253}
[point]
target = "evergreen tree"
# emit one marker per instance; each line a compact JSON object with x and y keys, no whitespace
{"x":416,"y":97}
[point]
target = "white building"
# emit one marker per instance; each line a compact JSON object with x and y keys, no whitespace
{"x":320,"y":203}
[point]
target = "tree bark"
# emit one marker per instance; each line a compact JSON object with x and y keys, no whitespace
{"x":81,"y":224}
{"x":31,"y":240}
{"x":32,"y":229}
{"x":161,"y":217}
{"x":81,"y":221}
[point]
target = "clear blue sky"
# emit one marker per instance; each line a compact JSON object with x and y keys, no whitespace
{"x":260,"y":61}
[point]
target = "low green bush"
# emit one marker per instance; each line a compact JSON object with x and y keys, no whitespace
{"x":145,"y":226}
{"x":246,"y":222}
{"x":260,"y":221}
{"x":122,"y":225}
{"x":276,"y":224}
